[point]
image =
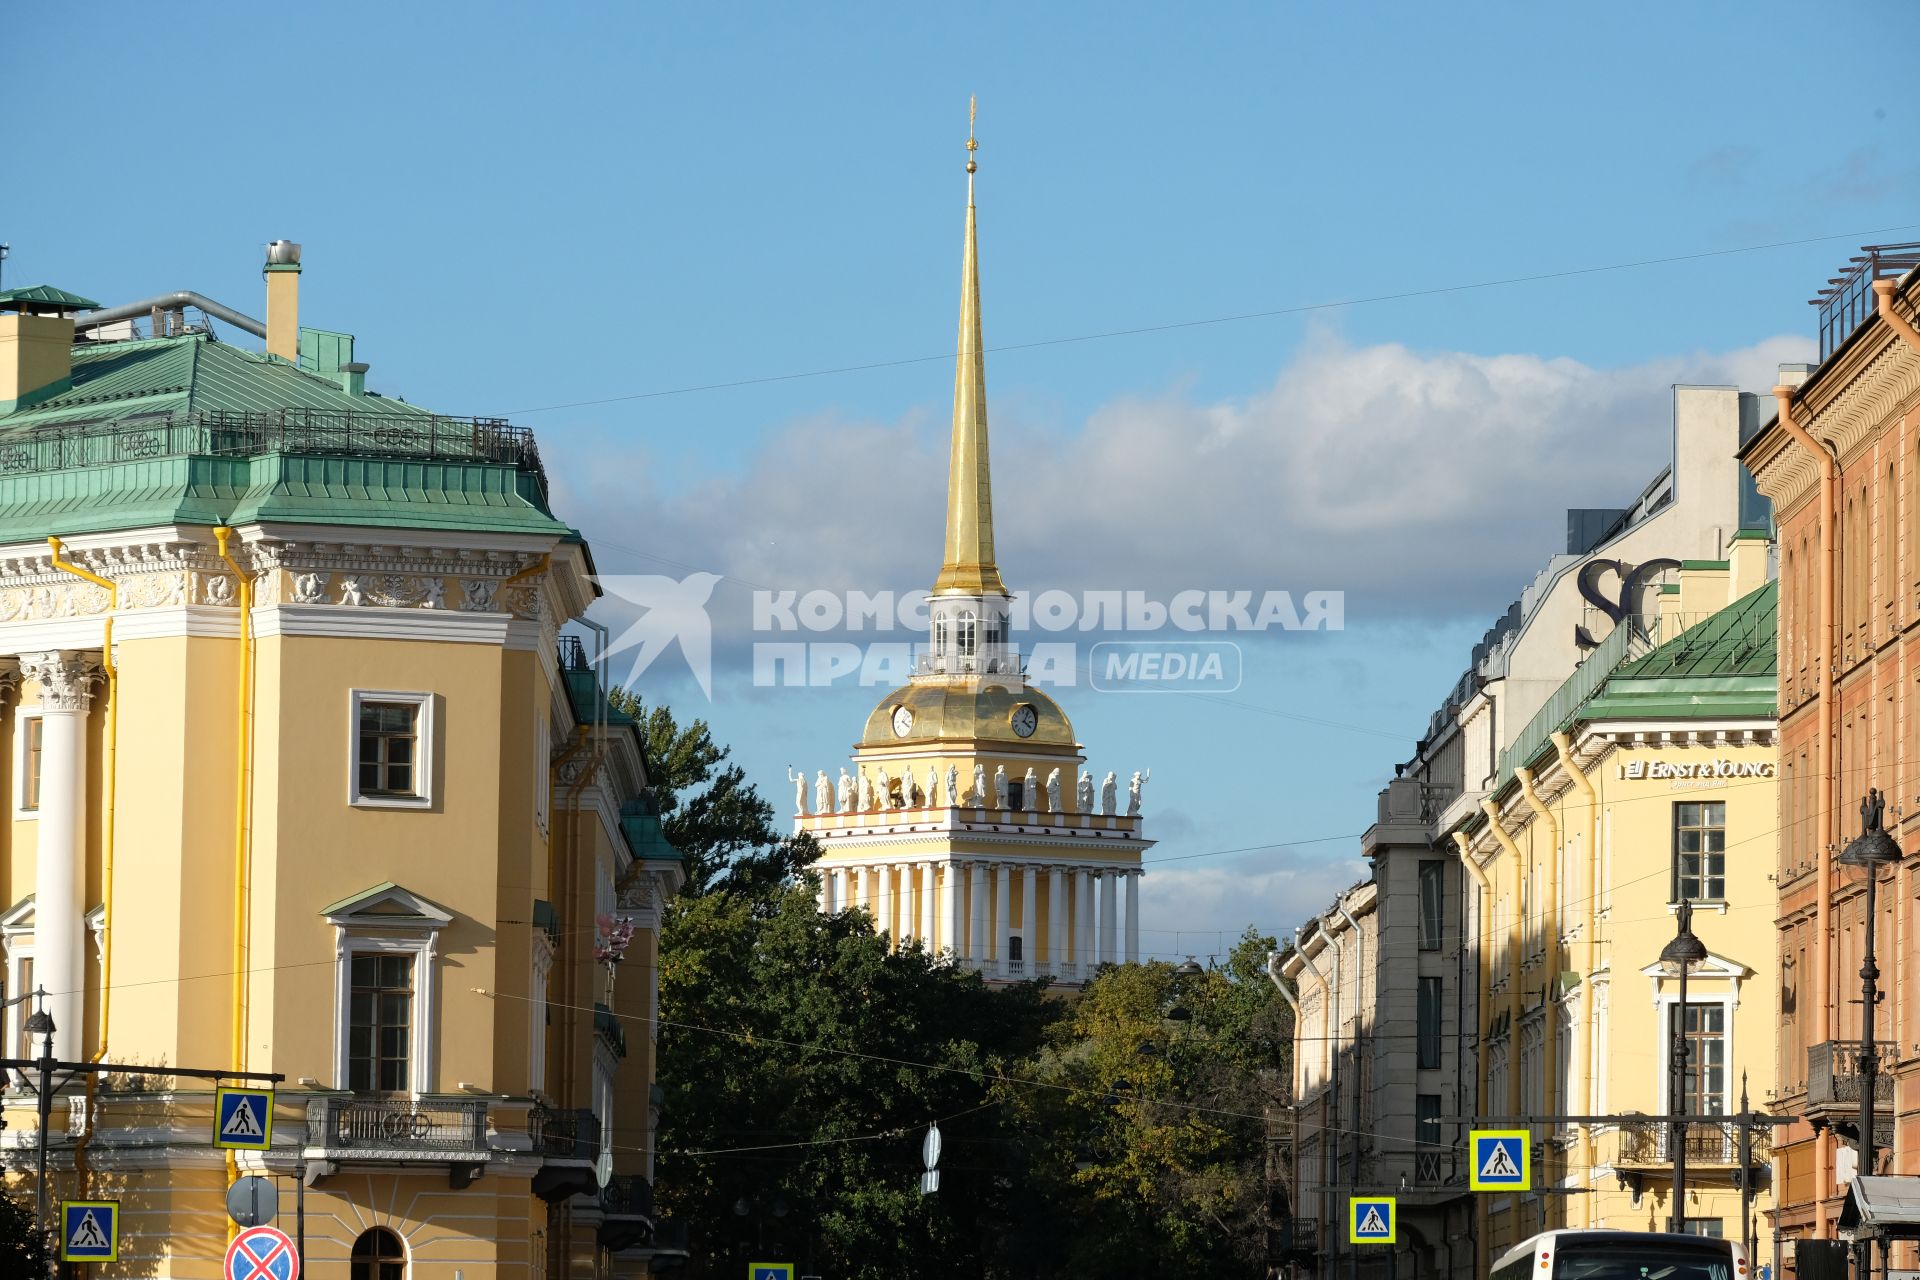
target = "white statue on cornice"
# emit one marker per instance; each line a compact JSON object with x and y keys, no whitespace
{"x":1109,"y":792}
{"x":822,"y":793}
{"x":979,"y":796}
{"x":933,"y":787}
{"x":883,"y":787}
{"x":799,"y":781}
{"x":999,"y":786}
{"x":1053,"y":792}
{"x":1030,"y":790}
{"x":1133,"y":791}
{"x":843,"y":792}
{"x":1084,"y":792}
{"x":866,"y":792}
{"x":953,"y":787}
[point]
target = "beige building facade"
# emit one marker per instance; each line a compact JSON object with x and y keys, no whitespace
{"x":308,"y":775}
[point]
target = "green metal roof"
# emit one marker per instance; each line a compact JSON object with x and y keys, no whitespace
{"x":1723,"y":667}
{"x":45,"y":295}
{"x":187,"y":374}
{"x":189,"y":430}
{"x":1741,"y":639}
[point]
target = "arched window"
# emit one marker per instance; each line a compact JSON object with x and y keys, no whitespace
{"x":966,"y":633}
{"x":378,"y":1255}
{"x":941,"y":634}
{"x":992,"y":629}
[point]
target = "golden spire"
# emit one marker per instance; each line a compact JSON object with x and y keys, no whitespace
{"x":969,"y":568}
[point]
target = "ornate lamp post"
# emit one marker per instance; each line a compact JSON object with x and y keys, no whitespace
{"x":1681,"y":954}
{"x":1871,"y":850}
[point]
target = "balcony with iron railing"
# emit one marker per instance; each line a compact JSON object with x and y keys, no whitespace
{"x":1833,"y":1078}
{"x":1709,"y":1144}
{"x":568,"y":1144}
{"x":990,"y":660}
{"x":349,"y":1128}
{"x":626,"y":1211}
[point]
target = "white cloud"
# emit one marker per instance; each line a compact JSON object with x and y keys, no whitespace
{"x":1421,"y":483}
{"x":1201,"y":909}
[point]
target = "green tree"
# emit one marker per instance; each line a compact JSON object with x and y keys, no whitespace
{"x":23,"y":1250}
{"x":1147,"y":1111}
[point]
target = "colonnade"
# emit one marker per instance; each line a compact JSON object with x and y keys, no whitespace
{"x":965,"y":907}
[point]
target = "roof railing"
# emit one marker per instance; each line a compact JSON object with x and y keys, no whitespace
{"x":1847,"y":302}
{"x":419,"y":437}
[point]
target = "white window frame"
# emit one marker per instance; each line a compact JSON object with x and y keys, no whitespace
{"x":425,"y":719}
{"x":20,"y":720}
{"x":604,"y":1067}
{"x":16,"y":936}
{"x":359,"y":931}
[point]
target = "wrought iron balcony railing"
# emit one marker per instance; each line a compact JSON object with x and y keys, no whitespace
{"x":627,"y":1195}
{"x":565,"y":1135}
{"x":1833,"y":1076}
{"x":1709,"y":1143}
{"x":398,"y":1128}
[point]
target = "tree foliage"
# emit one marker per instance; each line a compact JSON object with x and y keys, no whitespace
{"x":23,"y":1250}
{"x":1114,"y":1133}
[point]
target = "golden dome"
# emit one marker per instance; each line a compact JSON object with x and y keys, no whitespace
{"x":967,"y":711}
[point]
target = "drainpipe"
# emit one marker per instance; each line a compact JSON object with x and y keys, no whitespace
{"x":243,"y":769}
{"x":1550,"y":928}
{"x":1465,"y":846}
{"x":1330,"y":1126}
{"x":1583,"y":1029}
{"x":110,"y":749}
{"x":1828,"y":462}
{"x":1883,"y":300}
{"x":1274,"y":959}
{"x":1513,"y":954}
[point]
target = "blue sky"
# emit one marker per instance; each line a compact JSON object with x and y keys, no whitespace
{"x":517,"y":207}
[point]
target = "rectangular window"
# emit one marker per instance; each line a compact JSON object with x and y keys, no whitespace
{"x":1430,"y":1150}
{"x":1433,"y":897}
{"x":1429,"y":1011}
{"x":1700,"y":850}
{"x":389,"y":742}
{"x":30,"y":756}
{"x":380,"y":1023}
{"x":1706,"y":1031}
{"x":1711,"y":1228}
{"x":392,"y":750}
{"x":24,"y":1010}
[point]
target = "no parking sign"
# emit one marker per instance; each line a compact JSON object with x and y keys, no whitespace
{"x":262,"y":1253}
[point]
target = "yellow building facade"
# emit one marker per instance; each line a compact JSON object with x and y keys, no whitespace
{"x":969,"y":822}
{"x":1649,"y":781}
{"x":305,"y":778}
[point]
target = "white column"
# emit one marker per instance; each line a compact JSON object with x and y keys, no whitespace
{"x":929,"y":895}
{"x":1029,"y":927}
{"x":1083,"y":921}
{"x":837,"y":890}
{"x":954,"y":887}
{"x":903,"y":907}
{"x":60,"y":845}
{"x":1002,"y":915}
{"x":1057,"y":918}
{"x":1109,"y":921}
{"x":883,"y":892}
{"x":1133,"y":918}
{"x":977,"y":932}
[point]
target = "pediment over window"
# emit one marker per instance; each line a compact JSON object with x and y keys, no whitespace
{"x":1712,"y":971}
{"x":17,"y":918}
{"x":387,"y":906}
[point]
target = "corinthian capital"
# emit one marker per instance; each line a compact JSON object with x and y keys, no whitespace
{"x":65,"y":677}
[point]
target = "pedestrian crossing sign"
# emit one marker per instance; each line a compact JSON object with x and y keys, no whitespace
{"x":243,"y":1118}
{"x":1499,"y":1160}
{"x":769,"y":1271}
{"x":89,"y":1231}
{"x":1370,"y":1220}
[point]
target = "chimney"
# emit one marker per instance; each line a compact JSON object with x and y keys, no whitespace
{"x":36,"y":344}
{"x":1794,"y":375}
{"x":283,"y":300}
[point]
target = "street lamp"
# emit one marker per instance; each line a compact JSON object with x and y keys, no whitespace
{"x":1684,"y":952}
{"x":1871,"y":850}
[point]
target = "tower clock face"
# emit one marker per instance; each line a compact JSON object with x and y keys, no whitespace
{"x":902,"y":721}
{"x":1025,"y":719}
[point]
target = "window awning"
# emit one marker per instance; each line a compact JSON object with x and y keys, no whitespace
{"x":1887,"y":1208}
